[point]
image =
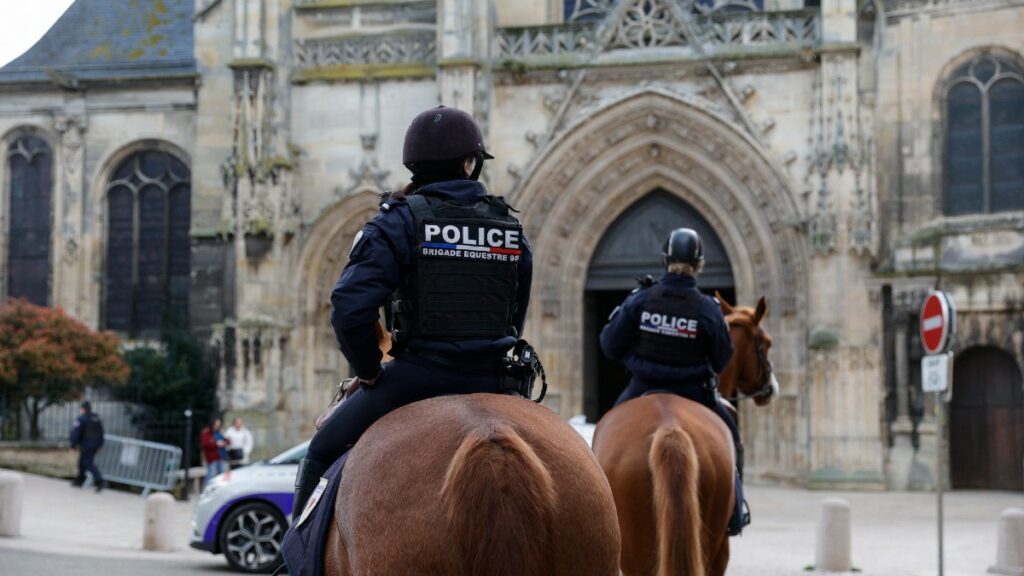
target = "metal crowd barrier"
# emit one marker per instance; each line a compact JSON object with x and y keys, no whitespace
{"x":148,"y":465}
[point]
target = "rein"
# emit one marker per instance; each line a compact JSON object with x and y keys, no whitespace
{"x":764,"y":367}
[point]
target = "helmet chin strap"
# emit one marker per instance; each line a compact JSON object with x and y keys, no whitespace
{"x":478,"y":166}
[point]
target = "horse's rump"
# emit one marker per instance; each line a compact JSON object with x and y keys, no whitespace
{"x":466,"y":485}
{"x":674,"y":453}
{"x":496,"y":479}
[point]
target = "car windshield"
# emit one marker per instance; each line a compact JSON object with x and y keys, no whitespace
{"x":290,"y":456}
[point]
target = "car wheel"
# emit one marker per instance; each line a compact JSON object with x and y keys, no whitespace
{"x":251,"y":536}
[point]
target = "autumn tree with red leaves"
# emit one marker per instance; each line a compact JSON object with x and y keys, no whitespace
{"x":48,"y":357}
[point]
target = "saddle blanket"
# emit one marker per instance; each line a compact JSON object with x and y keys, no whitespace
{"x":303,"y":544}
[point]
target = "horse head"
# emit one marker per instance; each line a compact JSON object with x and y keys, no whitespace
{"x":749,"y":374}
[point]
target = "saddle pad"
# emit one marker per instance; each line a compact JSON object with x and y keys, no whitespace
{"x":303,"y":545}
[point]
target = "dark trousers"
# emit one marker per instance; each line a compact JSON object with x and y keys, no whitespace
{"x":404,"y":380}
{"x":86,"y":464}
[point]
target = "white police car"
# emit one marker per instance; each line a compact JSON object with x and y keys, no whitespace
{"x":244,"y":513}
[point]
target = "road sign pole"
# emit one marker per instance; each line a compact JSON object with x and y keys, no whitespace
{"x":938,"y":329}
{"x":940,"y":468}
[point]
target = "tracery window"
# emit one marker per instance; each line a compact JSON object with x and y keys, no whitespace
{"x":584,"y":10}
{"x":984,"y":153}
{"x":30,"y":163}
{"x":149,"y":206}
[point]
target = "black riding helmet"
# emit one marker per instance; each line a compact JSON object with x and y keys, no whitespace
{"x":683,"y":245}
{"x":443,"y":137}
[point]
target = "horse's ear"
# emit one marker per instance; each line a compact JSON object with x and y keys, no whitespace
{"x":760,"y":311}
{"x":726,"y":309}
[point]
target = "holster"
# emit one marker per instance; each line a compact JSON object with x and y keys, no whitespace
{"x":521,"y":371}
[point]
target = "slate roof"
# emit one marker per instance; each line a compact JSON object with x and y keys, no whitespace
{"x":111,"y":40}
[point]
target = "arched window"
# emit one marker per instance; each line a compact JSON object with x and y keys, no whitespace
{"x":30,"y":163}
{"x":985,"y":137}
{"x":149,"y":206}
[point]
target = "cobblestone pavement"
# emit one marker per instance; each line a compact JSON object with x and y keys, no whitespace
{"x":72,"y":531}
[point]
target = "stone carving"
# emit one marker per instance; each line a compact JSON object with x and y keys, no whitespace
{"x":544,"y":40}
{"x":71,"y":129}
{"x":379,"y":14}
{"x":655,"y":25}
{"x":900,"y":7}
{"x":415,"y":48}
{"x":647,"y":24}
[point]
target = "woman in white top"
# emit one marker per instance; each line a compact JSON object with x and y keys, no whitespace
{"x":241,"y":443}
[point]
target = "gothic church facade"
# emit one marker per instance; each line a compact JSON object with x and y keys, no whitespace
{"x":207,"y":164}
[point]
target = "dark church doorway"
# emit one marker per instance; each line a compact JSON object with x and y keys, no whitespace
{"x":630,"y":249}
{"x":986,"y":425}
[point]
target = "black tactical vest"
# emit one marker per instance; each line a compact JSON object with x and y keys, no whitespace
{"x":669,"y":331}
{"x":92,"y":430}
{"x":465,"y":271}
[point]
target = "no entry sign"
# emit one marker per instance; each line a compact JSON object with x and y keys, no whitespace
{"x":938,"y":323}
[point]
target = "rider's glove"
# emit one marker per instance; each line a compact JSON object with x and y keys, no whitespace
{"x":369,"y":382}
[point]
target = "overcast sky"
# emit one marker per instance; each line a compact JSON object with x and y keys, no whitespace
{"x":22,"y":23}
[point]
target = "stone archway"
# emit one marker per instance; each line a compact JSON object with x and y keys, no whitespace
{"x":604,"y":164}
{"x":323,"y":258}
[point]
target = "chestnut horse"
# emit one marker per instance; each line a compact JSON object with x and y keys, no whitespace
{"x":470,"y":485}
{"x":671,"y":452}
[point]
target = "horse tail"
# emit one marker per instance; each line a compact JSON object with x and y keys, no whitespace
{"x":674,"y":467}
{"x":499,"y":496}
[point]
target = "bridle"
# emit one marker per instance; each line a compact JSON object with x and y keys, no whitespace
{"x":764,"y":366}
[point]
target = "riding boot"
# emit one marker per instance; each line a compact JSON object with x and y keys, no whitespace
{"x":741,"y":512}
{"x":306,"y":480}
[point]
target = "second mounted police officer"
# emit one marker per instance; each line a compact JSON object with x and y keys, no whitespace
{"x":451,"y":265}
{"x":685,"y":359}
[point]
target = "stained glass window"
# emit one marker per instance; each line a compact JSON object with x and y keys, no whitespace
{"x":31,"y":182}
{"x":984,"y":157}
{"x":148,"y":219}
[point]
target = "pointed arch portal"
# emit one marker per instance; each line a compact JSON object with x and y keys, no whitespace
{"x":598,"y":173}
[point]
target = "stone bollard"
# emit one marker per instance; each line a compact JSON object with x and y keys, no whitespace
{"x":11,"y":490}
{"x":1010,"y":549}
{"x":832,"y":552}
{"x":158,"y":532}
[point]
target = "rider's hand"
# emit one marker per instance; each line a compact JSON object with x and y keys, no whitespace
{"x":369,"y":382}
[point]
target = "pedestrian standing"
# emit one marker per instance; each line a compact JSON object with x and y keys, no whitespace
{"x":240,"y":443}
{"x":87,"y":439}
{"x":213,"y":444}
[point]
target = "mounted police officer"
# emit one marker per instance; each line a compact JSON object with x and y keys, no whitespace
{"x":674,"y":339}
{"x":451,"y":265}
{"x":87,"y":438}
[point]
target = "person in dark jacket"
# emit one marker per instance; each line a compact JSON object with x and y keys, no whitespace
{"x":451,"y":264}
{"x":87,"y":438}
{"x":672,"y":338}
{"x":214,"y":449}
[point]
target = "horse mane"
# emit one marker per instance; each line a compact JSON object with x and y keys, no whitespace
{"x":494,"y":480}
{"x":674,"y":469}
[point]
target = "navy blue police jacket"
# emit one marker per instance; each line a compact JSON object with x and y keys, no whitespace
{"x":87,"y":432}
{"x":620,"y":336}
{"x":381,"y":257}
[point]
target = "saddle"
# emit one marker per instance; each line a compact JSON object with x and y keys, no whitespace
{"x":304,"y":542}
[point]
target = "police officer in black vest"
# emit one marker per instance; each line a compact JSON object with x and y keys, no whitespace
{"x":453,"y":267}
{"x":87,"y":438}
{"x":674,"y":339}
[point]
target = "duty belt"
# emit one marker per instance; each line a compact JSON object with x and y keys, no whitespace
{"x":473,"y":365}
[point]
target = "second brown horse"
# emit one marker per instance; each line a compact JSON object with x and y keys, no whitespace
{"x":670,"y":464}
